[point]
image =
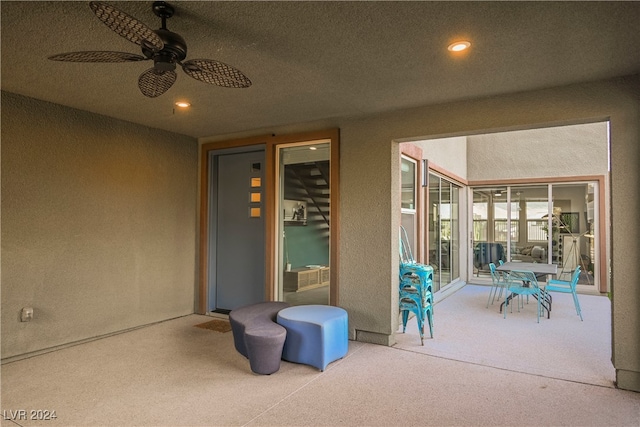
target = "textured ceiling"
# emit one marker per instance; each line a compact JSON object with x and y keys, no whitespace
{"x":318,"y":60}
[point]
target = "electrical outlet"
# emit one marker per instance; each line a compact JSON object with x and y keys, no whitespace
{"x":27,"y":314}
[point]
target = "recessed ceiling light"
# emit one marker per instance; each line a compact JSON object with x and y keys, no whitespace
{"x":459,"y":46}
{"x":313,"y":148}
{"x":183,"y":104}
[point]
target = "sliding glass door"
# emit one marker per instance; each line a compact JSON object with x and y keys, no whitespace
{"x":574,"y":238}
{"x":547,"y":223}
{"x":443,"y":235}
{"x":491,"y":222}
{"x":531,"y":244}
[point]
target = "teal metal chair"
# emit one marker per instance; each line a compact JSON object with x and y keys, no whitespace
{"x":408,"y":265}
{"x":416,"y":296}
{"x":565,"y":287}
{"x":519,"y":283}
{"x":417,"y":300}
{"x":498,"y":284}
{"x":416,"y":288}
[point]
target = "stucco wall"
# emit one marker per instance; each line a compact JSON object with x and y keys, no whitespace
{"x":559,"y":151}
{"x":98,"y":224}
{"x":448,"y":153}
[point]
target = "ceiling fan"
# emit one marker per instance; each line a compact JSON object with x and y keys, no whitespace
{"x":165,"y":48}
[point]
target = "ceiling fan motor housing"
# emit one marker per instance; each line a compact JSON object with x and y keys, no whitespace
{"x":174,"y":50}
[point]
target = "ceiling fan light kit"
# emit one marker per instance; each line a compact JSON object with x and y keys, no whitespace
{"x":166,"y":48}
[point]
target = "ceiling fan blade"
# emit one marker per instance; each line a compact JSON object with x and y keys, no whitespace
{"x":127,"y":26}
{"x":97,"y":56}
{"x":153,"y":83}
{"x":215,"y":73}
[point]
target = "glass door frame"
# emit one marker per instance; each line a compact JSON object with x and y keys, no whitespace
{"x":274,"y":269}
{"x":456,"y":191}
{"x":601,"y":279}
{"x":281,"y":239}
{"x":411,"y":213}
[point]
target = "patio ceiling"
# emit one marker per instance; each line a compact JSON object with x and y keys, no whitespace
{"x":319,"y":60}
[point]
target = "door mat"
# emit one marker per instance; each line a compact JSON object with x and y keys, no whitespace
{"x":216,"y":325}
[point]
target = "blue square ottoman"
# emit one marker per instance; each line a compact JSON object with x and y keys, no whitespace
{"x":316,"y":334}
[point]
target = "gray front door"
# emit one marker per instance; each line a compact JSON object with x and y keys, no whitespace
{"x":237,"y":263}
